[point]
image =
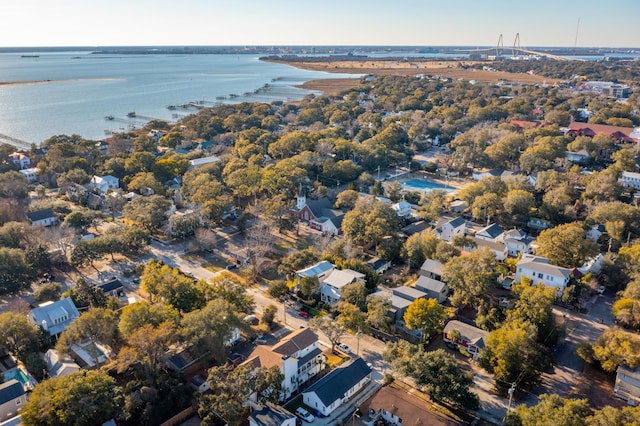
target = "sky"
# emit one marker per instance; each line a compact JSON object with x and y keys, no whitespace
{"x":611,"y":23}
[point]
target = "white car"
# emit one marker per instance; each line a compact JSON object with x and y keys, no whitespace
{"x":304,"y":414}
{"x":601,"y":289}
{"x":344,"y":348}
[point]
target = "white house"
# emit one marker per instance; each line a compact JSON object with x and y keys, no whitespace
{"x":103,"y":184}
{"x":23,"y":161}
{"x":627,"y":385}
{"x":12,"y":399}
{"x":447,"y":228}
{"x":297,"y":356}
{"x":595,"y":232}
{"x":471,"y":338}
{"x":517,"y":242}
{"x":630,"y":180}
{"x":337,"y":387}
{"x":331,"y":285}
{"x":319,"y":270}
{"x":479,"y":174}
{"x":271,"y":415}
{"x":54,"y":317}
{"x":198,"y":162}
{"x":492,"y":232}
{"x":31,"y":174}
{"x":539,"y":270}
{"x":402,"y":209}
{"x":44,"y":217}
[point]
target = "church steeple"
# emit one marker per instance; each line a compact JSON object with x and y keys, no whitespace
{"x":301,"y":201}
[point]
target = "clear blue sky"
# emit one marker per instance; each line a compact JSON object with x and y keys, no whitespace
{"x":318,"y":22}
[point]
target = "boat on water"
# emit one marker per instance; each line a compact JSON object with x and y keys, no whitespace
{"x":30,"y":56}
{"x":109,"y":117}
{"x":131,"y":114}
{"x":171,"y":107}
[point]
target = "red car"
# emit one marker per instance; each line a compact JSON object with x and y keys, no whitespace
{"x":303,"y":314}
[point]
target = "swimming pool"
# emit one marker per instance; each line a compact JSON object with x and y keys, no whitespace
{"x":17,"y":374}
{"x":425,"y":186}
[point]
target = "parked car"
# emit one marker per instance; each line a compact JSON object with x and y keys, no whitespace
{"x":231,"y":266}
{"x":304,"y":414}
{"x":344,"y":348}
{"x":601,"y":289}
{"x":303,"y":314}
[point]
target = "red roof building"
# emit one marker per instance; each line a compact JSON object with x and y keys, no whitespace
{"x":622,"y":134}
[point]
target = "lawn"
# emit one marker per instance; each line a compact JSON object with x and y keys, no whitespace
{"x":214,"y":265}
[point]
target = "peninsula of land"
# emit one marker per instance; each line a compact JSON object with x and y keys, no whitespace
{"x":453,"y":70}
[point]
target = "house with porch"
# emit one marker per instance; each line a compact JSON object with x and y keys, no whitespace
{"x":44,"y":218}
{"x":333,"y":282}
{"x":447,"y":228}
{"x":54,"y":317}
{"x":630,"y":180}
{"x":627,"y":385}
{"x":104,"y":184}
{"x":337,"y":387}
{"x":539,"y":270}
{"x":470,"y":338}
{"x":517,"y":241}
{"x":297,"y":356}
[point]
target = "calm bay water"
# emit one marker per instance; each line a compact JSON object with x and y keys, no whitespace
{"x":85,"y":88}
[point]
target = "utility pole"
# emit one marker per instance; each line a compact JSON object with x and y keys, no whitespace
{"x":512,"y":389}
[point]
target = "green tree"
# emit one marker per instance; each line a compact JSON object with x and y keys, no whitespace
{"x":150,"y":212}
{"x":426,"y":316}
{"x":209,"y":329}
{"x":615,"y":347}
{"x":377,"y":312}
{"x":419,"y":247}
{"x":352,"y":318}
{"x":84,"y":398}
{"x":333,"y":329}
{"x":81,"y":220}
{"x":147,"y":346}
{"x":551,"y":410}
{"x":534,"y":305}
{"x":143,"y":313}
{"x":278,"y":289}
{"x":15,"y":273}
{"x":18,"y":335}
{"x":347,"y":199}
{"x":369,"y":222}
{"x":97,"y":326}
{"x":355,"y":293}
{"x":610,"y":416}
{"x":513,"y":355}
{"x":471,"y":277}
{"x":168,"y":284}
{"x":48,"y":292}
{"x":269,"y":314}
{"x":440,"y":376}
{"x":566,"y":245}
{"x":297,"y":260}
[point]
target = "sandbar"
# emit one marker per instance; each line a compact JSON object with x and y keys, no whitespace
{"x":21,"y":82}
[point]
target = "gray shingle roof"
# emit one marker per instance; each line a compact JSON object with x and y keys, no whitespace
{"x":334,"y":385}
{"x":40,"y":214}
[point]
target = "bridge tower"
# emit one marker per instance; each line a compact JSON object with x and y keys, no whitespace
{"x":517,"y":49}
{"x":499,"y":47}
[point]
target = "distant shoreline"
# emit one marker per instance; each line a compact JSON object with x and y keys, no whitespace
{"x":446,"y":69}
{"x":21,"y":82}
